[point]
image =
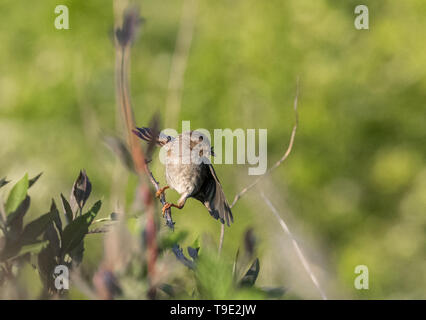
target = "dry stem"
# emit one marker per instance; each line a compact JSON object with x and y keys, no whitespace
{"x":123,"y":41}
{"x":276,"y":165}
{"x":295,"y":245}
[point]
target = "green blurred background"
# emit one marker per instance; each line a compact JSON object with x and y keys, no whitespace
{"x":353,"y":190}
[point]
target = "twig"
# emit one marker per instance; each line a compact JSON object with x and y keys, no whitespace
{"x":168,"y":212}
{"x":98,"y":230}
{"x":222,"y":237}
{"x":295,"y":245}
{"x":276,"y":165}
{"x":283,"y":158}
{"x":103,"y":220}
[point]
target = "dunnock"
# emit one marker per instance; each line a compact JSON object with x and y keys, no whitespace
{"x":189,"y":171}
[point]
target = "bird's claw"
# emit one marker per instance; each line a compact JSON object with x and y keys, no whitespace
{"x":160,"y":191}
{"x":165,"y":207}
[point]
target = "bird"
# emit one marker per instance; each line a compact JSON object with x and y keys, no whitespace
{"x":189,"y":171}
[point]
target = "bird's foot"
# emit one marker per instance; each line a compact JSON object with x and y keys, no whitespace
{"x":161,"y":191}
{"x":165,"y":207}
{"x":169,"y":205}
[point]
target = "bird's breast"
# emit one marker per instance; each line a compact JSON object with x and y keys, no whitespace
{"x":184,"y":178}
{"x":183,"y":173}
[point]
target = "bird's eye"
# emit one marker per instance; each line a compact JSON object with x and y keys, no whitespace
{"x":201,"y":138}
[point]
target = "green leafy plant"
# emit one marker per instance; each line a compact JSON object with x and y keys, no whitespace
{"x":216,"y":278}
{"x":66,"y":242}
{"x":18,"y":240}
{"x":52,"y":241}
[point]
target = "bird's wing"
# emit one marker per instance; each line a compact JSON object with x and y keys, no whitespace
{"x":147,"y":134}
{"x":212,"y":196}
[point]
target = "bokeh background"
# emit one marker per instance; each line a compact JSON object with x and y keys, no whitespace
{"x":353,"y":191}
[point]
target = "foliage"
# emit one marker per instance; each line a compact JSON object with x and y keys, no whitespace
{"x":45,"y":237}
{"x":17,"y":240}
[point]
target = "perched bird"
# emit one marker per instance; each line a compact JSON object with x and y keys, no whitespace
{"x":190,"y":172}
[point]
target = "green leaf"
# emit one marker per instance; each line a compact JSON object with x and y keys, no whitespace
{"x":53,"y":235}
{"x":15,"y":250}
{"x":32,"y":248}
{"x":34,"y":180}
{"x":168,"y":289}
{"x":75,"y":232}
{"x":196,"y":244}
{"x":55,"y":215}
{"x":15,"y":219}
{"x":251,"y":276}
{"x":80,"y":191}
{"x":3,"y":182}
{"x":234,"y":265}
{"x":36,"y":227}
{"x":49,"y":257}
{"x":77,"y":253}
{"x":17,"y":194}
{"x":69,"y":216}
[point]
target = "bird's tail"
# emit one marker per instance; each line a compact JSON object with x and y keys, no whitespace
{"x":213,"y":198}
{"x":219,"y":204}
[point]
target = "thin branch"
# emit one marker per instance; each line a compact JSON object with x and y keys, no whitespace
{"x":103,"y":220}
{"x":276,"y":165}
{"x":222,"y":236}
{"x":283,"y":158}
{"x":295,"y":245}
{"x":98,"y":230}
{"x":168,"y":212}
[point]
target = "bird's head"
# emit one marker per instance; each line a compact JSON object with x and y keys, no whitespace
{"x":201,"y":144}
